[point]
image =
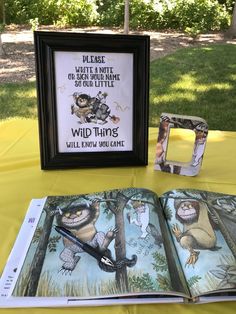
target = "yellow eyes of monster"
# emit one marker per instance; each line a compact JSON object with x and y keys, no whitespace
{"x":78,"y":213}
{"x":186,"y":205}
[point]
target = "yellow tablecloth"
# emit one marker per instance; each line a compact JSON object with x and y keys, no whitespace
{"x":21,"y":179}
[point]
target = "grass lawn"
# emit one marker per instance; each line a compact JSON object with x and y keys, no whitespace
{"x":18,"y":100}
{"x":196,"y":81}
{"x":192,"y":81}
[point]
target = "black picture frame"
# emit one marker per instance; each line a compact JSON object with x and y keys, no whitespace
{"x":66,"y":64}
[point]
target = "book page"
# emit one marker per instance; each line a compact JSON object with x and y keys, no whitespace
{"x":122,"y":224}
{"x":203,"y":228}
{"x":19,"y":251}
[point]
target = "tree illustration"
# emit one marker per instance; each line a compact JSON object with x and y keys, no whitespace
{"x":37,"y":263}
{"x":43,"y":239}
{"x":116,"y":202}
{"x":120,"y":245}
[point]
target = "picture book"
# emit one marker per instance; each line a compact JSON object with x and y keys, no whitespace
{"x":123,"y":246}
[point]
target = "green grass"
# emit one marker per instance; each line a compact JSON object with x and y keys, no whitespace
{"x":196,"y":81}
{"x":192,"y":81}
{"x":18,"y":100}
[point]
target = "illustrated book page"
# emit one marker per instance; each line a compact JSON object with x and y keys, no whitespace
{"x":203,"y":228}
{"x":127,"y":225}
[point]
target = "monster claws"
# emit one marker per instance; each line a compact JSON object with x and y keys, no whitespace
{"x":193,"y":257}
{"x":112,"y":233}
{"x":115,"y":230}
{"x":64,"y":271}
{"x":177,"y":232}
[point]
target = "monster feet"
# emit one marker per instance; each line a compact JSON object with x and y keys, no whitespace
{"x":193,"y":257}
{"x":109,"y":236}
{"x":70,"y":261}
{"x":69,"y":266}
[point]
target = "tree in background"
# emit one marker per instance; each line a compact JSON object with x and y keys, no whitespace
{"x":196,"y":15}
{"x":2,"y":52}
{"x":126,"y":20}
{"x":2,"y":25}
{"x":2,"y":12}
{"x":232,"y":29}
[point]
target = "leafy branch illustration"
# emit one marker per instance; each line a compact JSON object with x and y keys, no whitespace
{"x":37,"y":235}
{"x":142,"y":283}
{"x":52,"y":244}
{"x":160,"y":265}
{"x":164,"y":282}
{"x":168,"y":212}
{"x":193,"y":281}
{"x":226,"y":274}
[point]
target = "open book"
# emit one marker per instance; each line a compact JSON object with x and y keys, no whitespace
{"x":179,"y":247}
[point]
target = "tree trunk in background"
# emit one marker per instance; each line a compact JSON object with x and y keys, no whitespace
{"x":3,"y":13}
{"x":1,"y":47}
{"x":126,"y":21}
{"x":2,"y":25}
{"x":232,"y":29}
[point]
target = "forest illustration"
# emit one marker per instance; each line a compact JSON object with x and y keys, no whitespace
{"x":202,"y":225}
{"x":123,"y":224}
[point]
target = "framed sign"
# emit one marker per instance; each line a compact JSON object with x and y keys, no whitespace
{"x":92,"y":99}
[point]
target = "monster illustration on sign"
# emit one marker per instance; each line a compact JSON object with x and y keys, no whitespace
{"x":92,"y":109}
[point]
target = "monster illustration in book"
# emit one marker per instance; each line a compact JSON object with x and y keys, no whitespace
{"x":80,"y":219}
{"x":142,"y":220}
{"x":142,"y":217}
{"x":197,"y":233}
{"x":129,"y":241}
{"x":57,"y":263}
{"x":201,"y":224}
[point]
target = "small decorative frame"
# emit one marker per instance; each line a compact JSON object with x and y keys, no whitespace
{"x":199,"y":126}
{"x":92,"y":99}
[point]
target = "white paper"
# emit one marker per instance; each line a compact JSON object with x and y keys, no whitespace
{"x":106,"y":77}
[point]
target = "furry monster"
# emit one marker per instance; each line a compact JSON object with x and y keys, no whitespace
{"x":197,"y":230}
{"x":80,"y":220}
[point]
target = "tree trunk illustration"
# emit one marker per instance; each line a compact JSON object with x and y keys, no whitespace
{"x":37,"y":264}
{"x":120,"y":247}
{"x":116,"y":203}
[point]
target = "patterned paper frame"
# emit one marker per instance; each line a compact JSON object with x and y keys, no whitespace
{"x":199,"y":126}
